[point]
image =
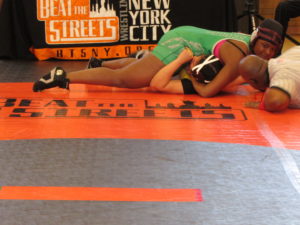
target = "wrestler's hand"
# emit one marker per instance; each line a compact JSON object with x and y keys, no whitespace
{"x":185,"y":56}
{"x":195,"y":61}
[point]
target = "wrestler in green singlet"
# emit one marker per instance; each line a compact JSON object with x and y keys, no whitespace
{"x":200,"y":41}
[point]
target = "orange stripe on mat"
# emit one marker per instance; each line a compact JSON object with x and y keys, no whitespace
{"x":100,"y":194}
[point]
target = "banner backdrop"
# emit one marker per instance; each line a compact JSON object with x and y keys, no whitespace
{"x":79,"y":29}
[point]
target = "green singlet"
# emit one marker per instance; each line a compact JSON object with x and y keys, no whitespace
{"x":200,"y":41}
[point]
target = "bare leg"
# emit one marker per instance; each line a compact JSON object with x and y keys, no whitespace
{"x":136,"y":74}
{"x":118,"y":63}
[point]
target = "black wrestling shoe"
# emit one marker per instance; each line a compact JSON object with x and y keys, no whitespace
{"x":56,"y":78}
{"x":94,"y":63}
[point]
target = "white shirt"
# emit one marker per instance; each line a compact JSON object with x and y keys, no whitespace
{"x":285,"y":74}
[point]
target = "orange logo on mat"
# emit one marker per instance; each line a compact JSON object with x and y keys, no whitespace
{"x":78,"y":21}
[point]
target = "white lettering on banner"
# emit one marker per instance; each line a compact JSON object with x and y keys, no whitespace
{"x":145,"y":4}
{"x":152,"y":29}
{"x":166,"y":4}
{"x":84,"y":30}
{"x":104,"y":21}
{"x":79,"y":21}
{"x":124,"y":22}
{"x":55,"y":8}
{"x":149,"y":17}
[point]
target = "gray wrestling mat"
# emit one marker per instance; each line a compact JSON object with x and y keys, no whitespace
{"x":241,"y":185}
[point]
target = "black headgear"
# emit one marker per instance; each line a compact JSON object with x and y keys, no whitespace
{"x":269,"y":30}
{"x":207,"y":69}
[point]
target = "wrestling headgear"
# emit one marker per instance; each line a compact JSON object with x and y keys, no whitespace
{"x":207,"y":69}
{"x":269,"y":30}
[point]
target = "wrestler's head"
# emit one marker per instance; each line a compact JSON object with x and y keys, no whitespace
{"x":207,"y":69}
{"x":255,"y":71}
{"x":266,"y":41}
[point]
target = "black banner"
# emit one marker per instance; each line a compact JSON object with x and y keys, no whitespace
{"x":79,"y":29}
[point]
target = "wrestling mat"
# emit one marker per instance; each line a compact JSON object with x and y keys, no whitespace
{"x":101,"y":155}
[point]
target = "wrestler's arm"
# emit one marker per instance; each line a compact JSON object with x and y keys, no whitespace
{"x":231,"y":57}
{"x":274,"y":100}
{"x":162,"y":79}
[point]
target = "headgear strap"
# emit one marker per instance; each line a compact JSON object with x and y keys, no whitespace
{"x":208,"y":60}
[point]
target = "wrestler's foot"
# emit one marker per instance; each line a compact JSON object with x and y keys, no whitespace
{"x":94,"y":63}
{"x":55,"y":78}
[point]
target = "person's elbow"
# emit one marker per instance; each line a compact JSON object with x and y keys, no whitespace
{"x":155,"y":86}
{"x":205,"y":92}
{"x":276,"y":105}
{"x":276,"y":100}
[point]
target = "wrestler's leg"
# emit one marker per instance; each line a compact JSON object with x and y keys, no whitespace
{"x":118,"y":63}
{"x":137,"y":74}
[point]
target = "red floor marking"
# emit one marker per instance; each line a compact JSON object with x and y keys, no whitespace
{"x":100,"y":194}
{"x":126,"y":112}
